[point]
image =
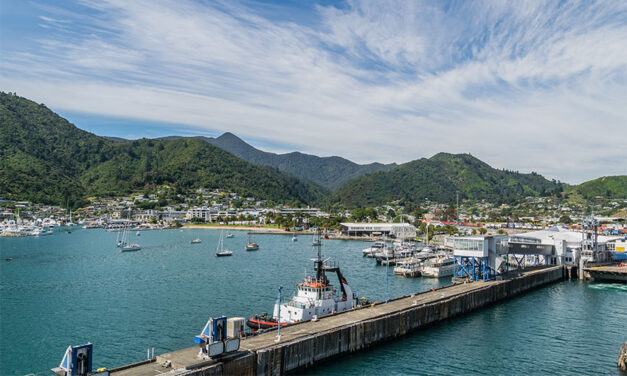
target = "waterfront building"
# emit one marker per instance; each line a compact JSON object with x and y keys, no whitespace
{"x":562,"y":245}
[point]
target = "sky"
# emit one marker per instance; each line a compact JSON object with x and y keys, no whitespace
{"x":522,"y":85}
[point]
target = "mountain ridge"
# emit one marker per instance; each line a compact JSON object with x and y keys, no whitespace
{"x":46,"y":159}
{"x":439,"y":178}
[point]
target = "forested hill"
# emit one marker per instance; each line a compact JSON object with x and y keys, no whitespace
{"x":438,"y":179}
{"x":46,"y":159}
{"x":607,"y":186}
{"x":330,"y":172}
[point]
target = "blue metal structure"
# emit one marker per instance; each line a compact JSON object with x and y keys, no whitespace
{"x":475,"y":268}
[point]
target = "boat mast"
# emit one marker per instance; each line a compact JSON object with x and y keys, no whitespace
{"x":320,"y":276}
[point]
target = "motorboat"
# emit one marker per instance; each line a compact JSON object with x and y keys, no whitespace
{"x":441,"y":266}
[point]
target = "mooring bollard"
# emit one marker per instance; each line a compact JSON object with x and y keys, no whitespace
{"x":622,"y":357}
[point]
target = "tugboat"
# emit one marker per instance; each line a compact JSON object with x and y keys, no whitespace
{"x":315,"y":297}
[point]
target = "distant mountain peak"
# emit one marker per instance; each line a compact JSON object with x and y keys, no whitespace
{"x":330,"y":172}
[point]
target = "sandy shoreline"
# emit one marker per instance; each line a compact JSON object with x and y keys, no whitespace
{"x":244,"y":228}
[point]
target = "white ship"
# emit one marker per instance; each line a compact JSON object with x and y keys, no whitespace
{"x":315,"y":297}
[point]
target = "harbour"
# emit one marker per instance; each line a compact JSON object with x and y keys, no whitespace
{"x":145,"y":299}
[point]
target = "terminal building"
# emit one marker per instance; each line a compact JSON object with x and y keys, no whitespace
{"x":390,"y":230}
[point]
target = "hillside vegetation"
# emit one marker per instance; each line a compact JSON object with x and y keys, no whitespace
{"x":438,"y":179}
{"x":607,"y":186}
{"x":44,"y":158}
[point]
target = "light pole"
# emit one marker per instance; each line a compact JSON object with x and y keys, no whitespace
{"x":278,"y":300}
{"x":387,"y":265}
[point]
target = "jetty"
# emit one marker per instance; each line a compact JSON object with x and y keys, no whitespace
{"x":307,"y":344}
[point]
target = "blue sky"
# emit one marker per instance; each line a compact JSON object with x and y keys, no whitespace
{"x":523,"y":85}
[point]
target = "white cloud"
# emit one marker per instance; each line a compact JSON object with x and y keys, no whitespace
{"x":522,"y":85}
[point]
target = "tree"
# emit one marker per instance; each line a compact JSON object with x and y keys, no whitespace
{"x":482,"y":230}
{"x":565,"y":219}
{"x":391,"y":213}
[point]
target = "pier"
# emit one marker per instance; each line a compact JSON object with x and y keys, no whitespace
{"x":309,"y":343}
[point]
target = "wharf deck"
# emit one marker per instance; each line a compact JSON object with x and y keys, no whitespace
{"x":608,"y":273}
{"x":186,"y":359}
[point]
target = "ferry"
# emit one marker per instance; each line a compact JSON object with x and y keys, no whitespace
{"x":439,"y":267}
{"x":315,"y":297}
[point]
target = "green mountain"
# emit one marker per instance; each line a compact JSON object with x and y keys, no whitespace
{"x":44,"y":158}
{"x":607,"y":186}
{"x":438,"y":179}
{"x":329,"y":172}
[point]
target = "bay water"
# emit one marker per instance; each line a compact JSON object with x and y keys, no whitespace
{"x":68,"y":289}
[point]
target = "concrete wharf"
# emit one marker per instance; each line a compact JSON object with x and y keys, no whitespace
{"x":309,"y":343}
{"x":614,"y":273}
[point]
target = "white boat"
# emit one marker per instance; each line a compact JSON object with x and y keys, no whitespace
{"x":130,"y":247}
{"x":315,"y":297}
{"x":251,"y":245}
{"x":439,"y":267}
{"x":221,"y":252}
{"x":294,"y":238}
{"x":123,"y":242}
{"x":197,"y":241}
{"x":230,"y":236}
{"x":408,"y":268}
{"x":372,"y":250}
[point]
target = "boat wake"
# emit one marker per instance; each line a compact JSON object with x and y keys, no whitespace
{"x":608,"y":286}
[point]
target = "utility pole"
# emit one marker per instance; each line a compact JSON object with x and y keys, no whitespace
{"x":457,"y":210}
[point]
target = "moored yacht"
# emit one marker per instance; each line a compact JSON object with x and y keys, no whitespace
{"x":442,"y":266}
{"x":373,"y":250}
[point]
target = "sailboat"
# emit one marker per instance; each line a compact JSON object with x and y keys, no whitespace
{"x":221,"y":252}
{"x":123,"y":244}
{"x":251,"y":246}
{"x":294,"y":238}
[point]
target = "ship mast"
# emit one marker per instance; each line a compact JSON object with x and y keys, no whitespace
{"x":320,"y":275}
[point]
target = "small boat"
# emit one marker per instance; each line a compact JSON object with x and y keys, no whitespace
{"x":294,"y":238}
{"x":69,"y":231}
{"x":439,"y":267}
{"x":221,"y":252}
{"x":377,"y":247}
{"x":224,"y":253}
{"x":137,"y":233}
{"x":230,"y":236}
{"x":130,"y":247}
{"x":408,"y":268}
{"x":251,"y":246}
{"x":196,"y":241}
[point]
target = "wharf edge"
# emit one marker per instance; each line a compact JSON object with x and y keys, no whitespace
{"x":310,"y":343}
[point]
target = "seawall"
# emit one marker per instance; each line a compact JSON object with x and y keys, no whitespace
{"x":310,"y":343}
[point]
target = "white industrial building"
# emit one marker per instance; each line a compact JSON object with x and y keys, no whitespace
{"x":393,"y":230}
{"x":564,"y":245}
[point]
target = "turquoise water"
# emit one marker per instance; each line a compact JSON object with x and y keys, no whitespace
{"x":74,"y":288}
